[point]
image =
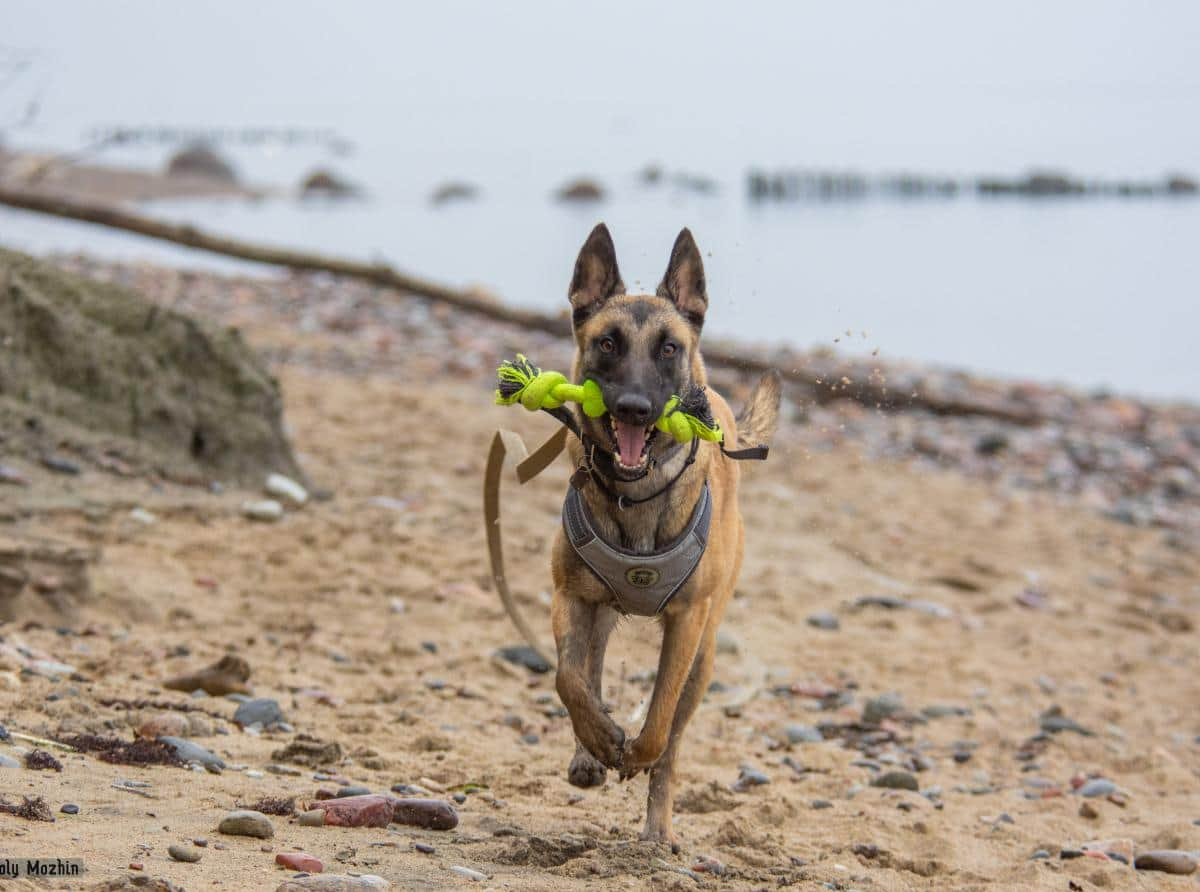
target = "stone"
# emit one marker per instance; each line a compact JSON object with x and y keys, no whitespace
{"x":581,"y":190}
{"x":244,"y":822}
{"x":183,"y":853}
{"x":749,"y":776}
{"x":266,"y":510}
{"x":193,"y":752}
{"x":432,"y":814}
{"x":8,"y":762}
{"x":796,"y":733}
{"x":1096,"y":788}
{"x":896,"y":780}
{"x":69,"y":808}
{"x":262,"y":711}
{"x":1053,"y":721}
{"x":824,"y":620}
{"x":357,"y":811}
{"x":821,"y":804}
{"x":1166,"y":861}
{"x":524,"y":655}
{"x":469,"y":873}
{"x":882,"y":707}
{"x":334,"y":882}
{"x":300,"y":861}
{"x":163,"y":724}
{"x":424,"y":848}
{"x":286,"y":488}
{"x":352,"y":790}
{"x":314,"y":818}
{"x":1089,"y":811}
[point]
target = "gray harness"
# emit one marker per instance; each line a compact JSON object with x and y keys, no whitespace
{"x":642,"y":584}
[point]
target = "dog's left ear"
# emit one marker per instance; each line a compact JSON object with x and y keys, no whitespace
{"x":596,"y":277}
{"x":683,"y":283}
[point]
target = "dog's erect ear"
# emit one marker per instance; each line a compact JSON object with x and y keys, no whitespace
{"x":683,"y":283}
{"x":596,"y":276}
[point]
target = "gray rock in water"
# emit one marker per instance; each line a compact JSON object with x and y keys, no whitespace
{"x":258,"y":712}
{"x":882,"y":707}
{"x":183,"y":853}
{"x":796,"y":733}
{"x":897,"y":780}
{"x":824,"y":620}
{"x":1166,"y":861}
{"x":192,"y":752}
{"x":1096,"y":787}
{"x":247,"y":823}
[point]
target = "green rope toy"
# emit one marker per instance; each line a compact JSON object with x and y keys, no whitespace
{"x":520,"y":381}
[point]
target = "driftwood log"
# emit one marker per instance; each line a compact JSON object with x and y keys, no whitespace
{"x":822,"y":380}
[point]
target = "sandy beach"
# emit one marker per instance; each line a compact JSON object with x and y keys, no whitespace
{"x":940,"y":618}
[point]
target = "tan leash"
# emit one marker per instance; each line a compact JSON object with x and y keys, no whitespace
{"x":528,"y":466}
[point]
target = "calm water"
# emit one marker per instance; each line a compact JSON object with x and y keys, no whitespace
{"x":516,"y":100}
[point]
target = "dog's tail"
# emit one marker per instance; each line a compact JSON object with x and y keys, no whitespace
{"x":757,"y":422}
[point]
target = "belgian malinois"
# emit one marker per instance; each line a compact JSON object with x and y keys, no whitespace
{"x":641,"y":349}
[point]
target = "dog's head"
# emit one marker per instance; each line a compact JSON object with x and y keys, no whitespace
{"x":640,"y":348}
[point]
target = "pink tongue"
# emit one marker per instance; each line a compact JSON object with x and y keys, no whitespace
{"x":630,"y":440}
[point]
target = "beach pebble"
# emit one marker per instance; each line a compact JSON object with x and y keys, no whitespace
{"x":8,"y":762}
{"x":432,"y":814}
{"x":163,"y":724}
{"x":60,"y":465}
{"x":286,"y":488}
{"x":192,"y":752}
{"x":299,"y":861}
{"x":824,"y":620}
{"x":262,"y":712}
{"x":524,"y":655}
{"x":183,"y":853}
{"x":1166,"y":861}
{"x":749,"y":776}
{"x":69,"y":808}
{"x":896,"y":780}
{"x":142,"y":516}
{"x":468,"y":873}
{"x":1089,"y":811}
{"x":424,"y":848}
{"x":244,"y":822}
{"x":1097,"y":787}
{"x":357,"y":811}
{"x":796,"y":733}
{"x":266,"y":510}
{"x":314,"y":818}
{"x":334,"y":882}
{"x":820,"y":804}
{"x":882,"y":707}
{"x":352,"y":790}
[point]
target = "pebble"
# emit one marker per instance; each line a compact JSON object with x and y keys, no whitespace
{"x":314,"y":818}
{"x":352,"y":790}
{"x":709,"y":865}
{"x":468,"y":873}
{"x":1166,"y":861}
{"x":60,"y":465}
{"x":262,"y":711}
{"x":824,"y":620}
{"x":1097,"y":787}
{"x":142,"y":516}
{"x":749,"y":776}
{"x":70,"y":808}
{"x":1054,"y":722}
{"x":200,"y":841}
{"x":432,"y":814}
{"x":183,"y":853}
{"x":8,"y":762}
{"x":1089,"y":811}
{"x":192,"y":752}
{"x":820,"y":804}
{"x":524,"y":655}
{"x":286,"y":488}
{"x":301,"y":861}
{"x":357,"y":811}
{"x":796,"y":733}
{"x":285,"y":770}
{"x":882,"y":707}
{"x":896,"y":780}
{"x":424,"y":848}
{"x":334,"y":882}
{"x":267,"y":510}
{"x":1040,"y":855}
{"x":244,"y":822}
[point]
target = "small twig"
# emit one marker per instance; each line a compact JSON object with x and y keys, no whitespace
{"x":134,"y":790}
{"x":41,"y":741}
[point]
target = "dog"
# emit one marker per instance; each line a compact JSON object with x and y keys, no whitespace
{"x":642,"y":349}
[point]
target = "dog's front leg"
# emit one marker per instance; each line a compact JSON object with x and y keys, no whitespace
{"x":576,"y":627}
{"x":682,"y":632}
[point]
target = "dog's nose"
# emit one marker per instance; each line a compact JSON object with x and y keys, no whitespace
{"x":632,"y":408}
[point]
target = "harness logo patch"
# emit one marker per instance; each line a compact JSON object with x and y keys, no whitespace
{"x":642,"y":577}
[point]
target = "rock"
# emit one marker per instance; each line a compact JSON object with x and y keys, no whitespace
{"x":581,"y":190}
{"x":322,"y":183}
{"x":352,"y":790}
{"x":247,"y":823}
{"x":1120,"y":848}
{"x":8,"y":762}
{"x":163,"y":724}
{"x":263,"y":712}
{"x":524,"y":655}
{"x":193,"y":752}
{"x":749,"y":776}
{"x":897,"y":780}
{"x":183,"y":853}
{"x":447,"y":192}
{"x":1053,"y":721}
{"x":820,"y":804}
{"x":796,"y":733}
{"x":143,"y":517}
{"x":61,"y":465}
{"x":226,"y":676}
{"x":468,"y":873}
{"x":300,"y":861}
{"x":879,"y":708}
{"x":314,"y":818}
{"x":432,"y":814}
{"x":424,"y":848}
{"x":1096,"y":788}
{"x":199,"y":160}
{"x":1166,"y":861}
{"x":286,"y":488}
{"x":69,"y":808}
{"x":824,"y":620}
{"x":267,"y":510}
{"x":334,"y":882}
{"x":357,"y":811}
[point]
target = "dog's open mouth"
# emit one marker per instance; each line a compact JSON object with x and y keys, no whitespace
{"x":632,"y":444}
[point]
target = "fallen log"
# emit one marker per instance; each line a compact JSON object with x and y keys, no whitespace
{"x":830,"y":385}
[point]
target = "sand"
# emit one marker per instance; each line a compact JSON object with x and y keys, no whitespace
{"x":377,"y":597}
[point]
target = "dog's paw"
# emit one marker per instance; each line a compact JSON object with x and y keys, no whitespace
{"x":605,"y":741}
{"x":585,"y":771}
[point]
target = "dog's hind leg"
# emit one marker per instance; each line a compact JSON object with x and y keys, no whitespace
{"x":585,"y":770}
{"x":578,"y":625}
{"x":660,"y":801}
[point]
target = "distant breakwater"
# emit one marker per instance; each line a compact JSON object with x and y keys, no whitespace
{"x":826,"y":185}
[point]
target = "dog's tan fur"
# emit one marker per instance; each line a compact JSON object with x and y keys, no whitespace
{"x":583,"y":615}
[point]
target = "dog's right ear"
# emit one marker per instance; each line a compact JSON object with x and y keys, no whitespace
{"x":596,"y":276}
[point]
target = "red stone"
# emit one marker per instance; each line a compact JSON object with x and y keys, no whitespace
{"x":136,"y":865}
{"x":371,"y":810}
{"x":299,"y":861}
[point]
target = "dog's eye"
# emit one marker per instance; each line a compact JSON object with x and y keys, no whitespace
{"x":607,"y":345}
{"x":669,"y":349}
